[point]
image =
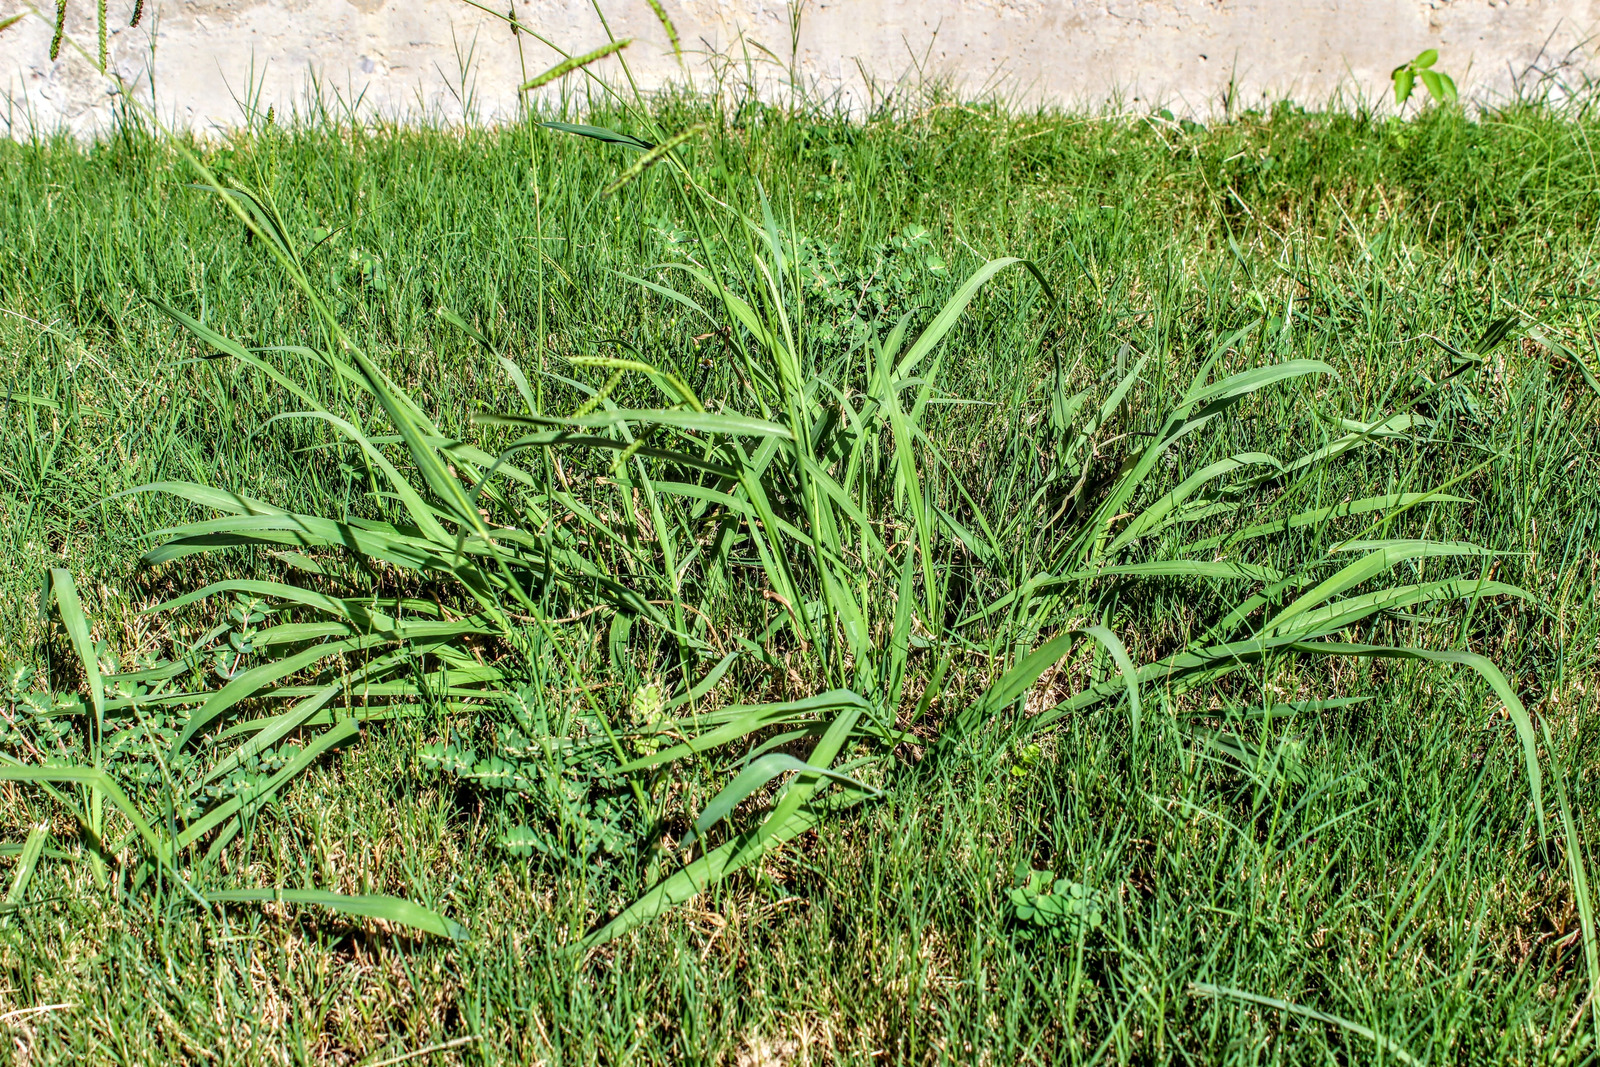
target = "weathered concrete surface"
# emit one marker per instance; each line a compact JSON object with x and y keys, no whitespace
{"x":208,"y":59}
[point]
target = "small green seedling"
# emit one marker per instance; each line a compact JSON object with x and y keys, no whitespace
{"x":1440,"y":85}
{"x":1028,"y":757}
{"x":1062,"y":910}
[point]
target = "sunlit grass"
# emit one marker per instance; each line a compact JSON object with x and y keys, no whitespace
{"x":852,"y":520}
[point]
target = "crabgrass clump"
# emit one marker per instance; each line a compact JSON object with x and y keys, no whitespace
{"x":812,"y":473}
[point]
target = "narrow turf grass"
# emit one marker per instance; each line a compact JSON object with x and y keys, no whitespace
{"x":1401,"y":889}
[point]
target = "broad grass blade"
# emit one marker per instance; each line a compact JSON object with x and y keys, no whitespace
{"x":367,"y":906}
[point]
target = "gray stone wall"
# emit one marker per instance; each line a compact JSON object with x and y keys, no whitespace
{"x":203,"y":62}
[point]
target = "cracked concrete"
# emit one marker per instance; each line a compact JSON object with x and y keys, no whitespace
{"x":204,"y":63}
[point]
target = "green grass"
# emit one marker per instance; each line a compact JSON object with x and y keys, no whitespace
{"x":1378,"y":862}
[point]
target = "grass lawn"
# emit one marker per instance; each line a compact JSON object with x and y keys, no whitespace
{"x":1283,"y":852}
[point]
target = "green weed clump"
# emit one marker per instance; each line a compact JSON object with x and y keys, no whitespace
{"x":812,"y":485}
{"x":669,"y":583}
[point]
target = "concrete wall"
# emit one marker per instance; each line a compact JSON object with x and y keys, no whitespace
{"x":405,"y":58}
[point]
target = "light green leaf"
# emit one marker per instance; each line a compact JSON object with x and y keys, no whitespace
{"x":367,"y":906}
{"x":755,"y":775}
